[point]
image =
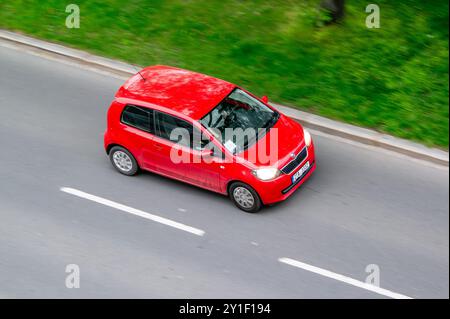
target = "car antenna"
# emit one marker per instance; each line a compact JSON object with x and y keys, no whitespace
{"x":139,"y":72}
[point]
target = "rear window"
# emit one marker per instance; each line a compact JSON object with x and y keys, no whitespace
{"x":138,"y":117}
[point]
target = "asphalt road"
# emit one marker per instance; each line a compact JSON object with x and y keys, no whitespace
{"x":362,"y":206}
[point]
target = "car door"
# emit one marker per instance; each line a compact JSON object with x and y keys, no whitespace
{"x":177,"y":155}
{"x":207,"y":163}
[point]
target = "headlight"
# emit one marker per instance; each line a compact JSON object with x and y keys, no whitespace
{"x":307,"y":137}
{"x":267,"y":173}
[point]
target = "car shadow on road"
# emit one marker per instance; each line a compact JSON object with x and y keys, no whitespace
{"x":171,"y":183}
{"x":212,"y":198}
{"x":290,"y":202}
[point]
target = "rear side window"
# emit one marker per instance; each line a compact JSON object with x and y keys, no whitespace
{"x":138,"y":117}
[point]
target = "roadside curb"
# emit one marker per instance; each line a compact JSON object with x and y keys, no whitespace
{"x":312,"y":121}
{"x":366,"y":136}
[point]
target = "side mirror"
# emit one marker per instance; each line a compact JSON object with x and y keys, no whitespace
{"x":265,"y":99}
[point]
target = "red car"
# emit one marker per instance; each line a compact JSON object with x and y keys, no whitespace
{"x":207,"y":132}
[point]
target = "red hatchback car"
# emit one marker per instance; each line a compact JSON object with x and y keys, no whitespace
{"x":207,"y":132}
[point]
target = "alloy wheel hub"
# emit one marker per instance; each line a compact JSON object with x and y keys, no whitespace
{"x":122,"y":161}
{"x":243,"y":197}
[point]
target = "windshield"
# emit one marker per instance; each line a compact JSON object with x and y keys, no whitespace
{"x":239,"y":121}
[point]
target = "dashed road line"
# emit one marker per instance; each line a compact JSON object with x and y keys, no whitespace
{"x":133,"y":211}
{"x":342,"y":278}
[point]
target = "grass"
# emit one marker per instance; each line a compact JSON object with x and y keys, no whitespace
{"x":393,"y":79}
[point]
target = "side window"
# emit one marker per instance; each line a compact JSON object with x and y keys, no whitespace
{"x":178,"y":131}
{"x":138,"y":117}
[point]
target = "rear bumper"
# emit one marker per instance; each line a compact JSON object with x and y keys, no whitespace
{"x":282,"y":187}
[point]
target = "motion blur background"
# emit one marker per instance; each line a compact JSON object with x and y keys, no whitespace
{"x":393,"y":79}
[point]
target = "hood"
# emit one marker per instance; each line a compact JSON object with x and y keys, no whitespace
{"x":277,"y":145}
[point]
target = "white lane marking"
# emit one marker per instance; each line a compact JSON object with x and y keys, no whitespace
{"x":133,"y":211}
{"x":342,"y":278}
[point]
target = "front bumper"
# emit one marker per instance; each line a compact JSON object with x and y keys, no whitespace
{"x":282,"y":187}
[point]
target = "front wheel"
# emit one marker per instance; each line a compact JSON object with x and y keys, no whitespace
{"x":245,"y":197}
{"x":123,"y":161}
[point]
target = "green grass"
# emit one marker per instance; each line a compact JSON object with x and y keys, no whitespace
{"x":393,"y":79}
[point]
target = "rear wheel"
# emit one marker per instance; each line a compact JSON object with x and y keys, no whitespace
{"x":245,"y":197}
{"x":123,"y":161}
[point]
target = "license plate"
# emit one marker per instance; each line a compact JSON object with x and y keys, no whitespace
{"x":300,"y":172}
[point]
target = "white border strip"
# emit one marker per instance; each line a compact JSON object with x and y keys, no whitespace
{"x":342,"y":278}
{"x":133,"y":211}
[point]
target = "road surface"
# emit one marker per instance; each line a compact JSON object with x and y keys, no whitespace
{"x":363,"y":206}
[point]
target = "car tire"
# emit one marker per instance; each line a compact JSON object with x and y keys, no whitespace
{"x":123,"y":161}
{"x":245,"y":197}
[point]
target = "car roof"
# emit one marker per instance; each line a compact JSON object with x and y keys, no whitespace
{"x":190,"y":93}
